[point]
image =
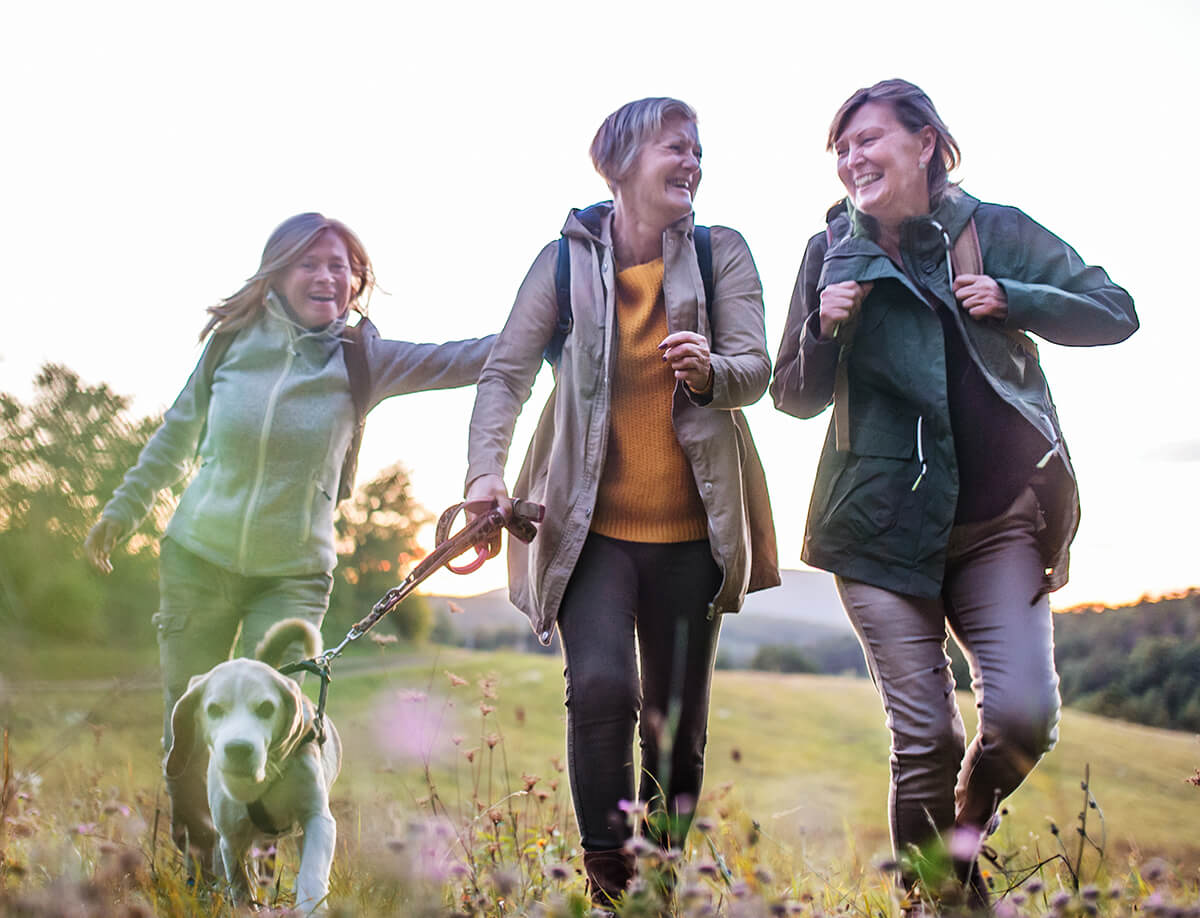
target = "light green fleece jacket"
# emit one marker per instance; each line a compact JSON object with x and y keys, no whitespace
{"x":276,"y":422}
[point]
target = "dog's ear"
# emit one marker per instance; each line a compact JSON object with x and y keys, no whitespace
{"x":295,"y":715}
{"x":183,"y":727}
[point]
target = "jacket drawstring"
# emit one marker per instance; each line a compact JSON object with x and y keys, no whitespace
{"x":920,"y":453}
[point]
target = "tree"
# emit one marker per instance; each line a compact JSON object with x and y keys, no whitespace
{"x":61,"y":457}
{"x":377,"y":540}
{"x":782,"y":658}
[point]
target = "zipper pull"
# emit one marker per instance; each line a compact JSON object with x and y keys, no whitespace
{"x":920,"y":454}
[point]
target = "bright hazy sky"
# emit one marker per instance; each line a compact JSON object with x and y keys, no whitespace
{"x":150,"y":149}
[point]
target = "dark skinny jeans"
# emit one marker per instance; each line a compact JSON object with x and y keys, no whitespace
{"x":637,"y":608}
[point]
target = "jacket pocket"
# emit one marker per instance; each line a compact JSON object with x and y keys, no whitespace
{"x":318,"y":509}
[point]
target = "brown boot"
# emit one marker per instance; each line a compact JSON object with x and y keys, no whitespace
{"x":608,"y":873}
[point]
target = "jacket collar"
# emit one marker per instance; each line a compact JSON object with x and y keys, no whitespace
{"x":326,"y":337}
{"x":852,"y":233}
{"x":594,"y":224}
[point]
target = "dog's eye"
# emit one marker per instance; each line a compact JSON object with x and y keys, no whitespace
{"x":214,"y":711}
{"x":266,"y":710}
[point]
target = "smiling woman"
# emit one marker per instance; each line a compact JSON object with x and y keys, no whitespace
{"x":646,"y":468}
{"x":274,"y":411}
{"x":945,"y":496}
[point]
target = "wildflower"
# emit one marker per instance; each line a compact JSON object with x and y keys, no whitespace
{"x":85,"y":828}
{"x":1155,"y":870}
{"x":1005,"y":909}
{"x":1018,"y":897}
{"x":454,"y":608}
{"x":1115,"y":891}
{"x":542,"y":794}
{"x":639,"y":847}
{"x":485,"y":709}
{"x":778,"y":909}
{"x":457,"y":739}
{"x":519,"y":713}
{"x":963,"y":843}
{"x":556,"y":761}
{"x":382,"y":640}
{"x":529,"y":780}
{"x":632,"y":808}
{"x":458,"y":871}
{"x":496,"y":817}
{"x":707,"y":868}
{"x":1034,"y":886}
{"x":673,"y":856}
{"x":690,"y":893}
{"x":1089,"y":893}
{"x":559,"y":872}
{"x":704,"y":825}
{"x":736,"y":754}
{"x":492,"y":739}
{"x":114,"y":807}
{"x":762,"y":876}
{"x":1059,"y":900}
{"x":455,"y":681}
{"x":470,"y":754}
{"x":740,"y":889}
{"x":487,"y":687}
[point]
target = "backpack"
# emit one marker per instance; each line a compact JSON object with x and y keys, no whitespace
{"x":562,"y":288}
{"x":355,"y":354}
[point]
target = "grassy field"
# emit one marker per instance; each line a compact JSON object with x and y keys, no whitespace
{"x":453,"y":776}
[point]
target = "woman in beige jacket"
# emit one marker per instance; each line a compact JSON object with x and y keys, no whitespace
{"x":657,"y":517}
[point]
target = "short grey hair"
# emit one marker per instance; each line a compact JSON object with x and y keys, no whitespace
{"x":624,"y":133}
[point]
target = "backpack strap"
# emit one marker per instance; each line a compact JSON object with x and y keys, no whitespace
{"x":966,"y":257}
{"x":355,"y":353}
{"x":701,"y":236}
{"x":562,"y":293}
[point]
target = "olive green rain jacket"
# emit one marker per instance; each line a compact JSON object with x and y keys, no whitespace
{"x":883,"y":504}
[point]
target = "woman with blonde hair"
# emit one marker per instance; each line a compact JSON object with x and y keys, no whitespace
{"x":657,"y":519}
{"x":273,"y":411}
{"x":944,"y":497}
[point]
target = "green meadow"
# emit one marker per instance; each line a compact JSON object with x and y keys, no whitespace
{"x":457,"y":756}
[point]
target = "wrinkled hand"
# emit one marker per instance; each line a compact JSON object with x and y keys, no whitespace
{"x":840,"y":303}
{"x":981,"y":296}
{"x":489,"y":487}
{"x":100,"y":542}
{"x":686,"y":353}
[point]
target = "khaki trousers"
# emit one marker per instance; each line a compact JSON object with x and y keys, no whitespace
{"x":993,"y":601}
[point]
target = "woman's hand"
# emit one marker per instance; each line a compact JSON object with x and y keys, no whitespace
{"x":840,"y":303}
{"x":489,"y":487}
{"x":100,"y":542}
{"x":689,"y":359}
{"x":981,"y":296}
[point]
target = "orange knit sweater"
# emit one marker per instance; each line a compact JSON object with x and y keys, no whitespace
{"x":647,"y":492}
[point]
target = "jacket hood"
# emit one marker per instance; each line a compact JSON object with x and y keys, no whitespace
{"x":280,"y":309}
{"x":594,"y":223}
{"x":953,"y":213}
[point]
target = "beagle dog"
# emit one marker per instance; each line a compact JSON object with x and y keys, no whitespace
{"x":269,"y":773}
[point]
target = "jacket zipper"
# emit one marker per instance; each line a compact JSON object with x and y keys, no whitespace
{"x":920,"y":453}
{"x":261,"y":467}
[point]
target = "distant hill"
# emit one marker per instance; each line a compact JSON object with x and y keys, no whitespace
{"x":804,"y":611}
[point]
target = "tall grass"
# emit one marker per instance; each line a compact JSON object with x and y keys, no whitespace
{"x":454,"y":801}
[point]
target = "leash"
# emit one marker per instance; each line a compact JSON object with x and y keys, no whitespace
{"x":481,"y":533}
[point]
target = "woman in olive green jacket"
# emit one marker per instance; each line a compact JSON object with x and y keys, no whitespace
{"x":944,"y":493}
{"x":650,"y":480}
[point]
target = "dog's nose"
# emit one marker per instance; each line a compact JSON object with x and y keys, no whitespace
{"x":238,"y":751}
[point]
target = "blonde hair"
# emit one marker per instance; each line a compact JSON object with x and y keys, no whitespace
{"x":625,"y":131}
{"x":286,"y":244}
{"x":914,"y":110}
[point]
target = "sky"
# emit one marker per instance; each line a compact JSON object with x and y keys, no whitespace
{"x":151,"y":148}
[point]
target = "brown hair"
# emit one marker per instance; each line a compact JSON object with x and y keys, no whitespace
{"x":286,"y":244}
{"x":625,"y":131}
{"x":914,"y":110}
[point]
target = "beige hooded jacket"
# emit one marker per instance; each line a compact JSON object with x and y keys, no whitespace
{"x":564,"y":461}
